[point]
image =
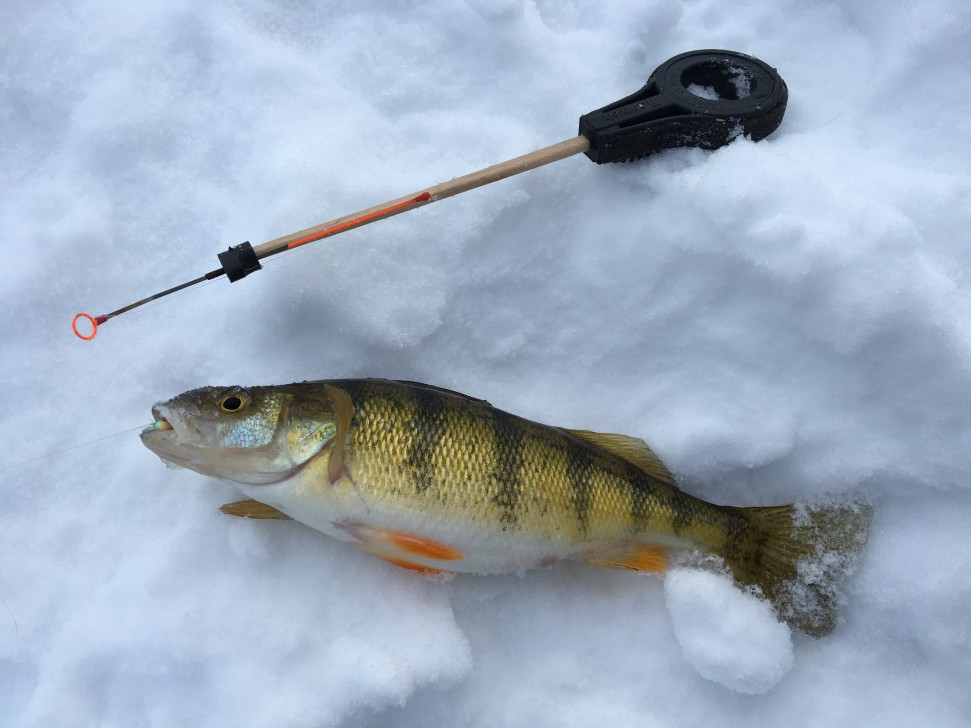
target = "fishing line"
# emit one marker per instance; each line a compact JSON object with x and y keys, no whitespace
{"x":749,"y":99}
{"x":79,"y":445}
{"x":155,"y":303}
{"x":17,"y":646}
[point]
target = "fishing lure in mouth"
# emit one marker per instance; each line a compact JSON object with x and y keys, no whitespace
{"x":436,"y":481}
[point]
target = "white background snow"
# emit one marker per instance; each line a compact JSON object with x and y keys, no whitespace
{"x":781,"y":320}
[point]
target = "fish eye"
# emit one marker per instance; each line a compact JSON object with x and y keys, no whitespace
{"x":233,"y":402}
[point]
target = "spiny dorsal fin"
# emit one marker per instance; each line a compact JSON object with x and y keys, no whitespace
{"x":343,"y":412}
{"x":632,"y":449}
{"x":253,"y":509}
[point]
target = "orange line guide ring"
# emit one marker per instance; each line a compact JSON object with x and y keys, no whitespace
{"x":94,"y":325}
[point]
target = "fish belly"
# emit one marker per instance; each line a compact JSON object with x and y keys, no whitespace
{"x":410,"y":538}
{"x":437,"y":540}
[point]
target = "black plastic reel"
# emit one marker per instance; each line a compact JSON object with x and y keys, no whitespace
{"x":741,"y":96}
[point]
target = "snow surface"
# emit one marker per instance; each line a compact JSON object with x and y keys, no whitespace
{"x":781,"y":320}
{"x":728,"y":635}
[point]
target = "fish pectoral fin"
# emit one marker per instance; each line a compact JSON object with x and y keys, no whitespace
{"x":632,"y":557}
{"x":632,"y":449}
{"x":250,"y":508}
{"x":343,"y":413}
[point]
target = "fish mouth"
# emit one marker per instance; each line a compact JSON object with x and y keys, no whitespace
{"x":161,"y":422}
{"x":168,"y":430}
{"x":166,"y":437}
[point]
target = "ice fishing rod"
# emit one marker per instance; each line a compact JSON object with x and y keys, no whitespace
{"x":702,"y":98}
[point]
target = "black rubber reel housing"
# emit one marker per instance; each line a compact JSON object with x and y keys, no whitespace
{"x":751,"y":101}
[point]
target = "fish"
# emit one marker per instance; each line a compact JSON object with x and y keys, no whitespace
{"x":436,"y":481}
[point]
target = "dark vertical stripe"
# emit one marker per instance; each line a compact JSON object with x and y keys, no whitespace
{"x":683,"y":511}
{"x":428,"y":430}
{"x":355,"y":388}
{"x":509,"y":442}
{"x":640,"y":500}
{"x":579,"y":469}
{"x":653,"y":501}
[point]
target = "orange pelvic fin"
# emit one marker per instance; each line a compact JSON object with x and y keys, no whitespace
{"x":636,"y":558}
{"x":427,"y":570}
{"x":421,"y":546}
{"x":402,"y":548}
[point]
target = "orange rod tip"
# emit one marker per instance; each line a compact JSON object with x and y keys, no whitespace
{"x":94,"y":325}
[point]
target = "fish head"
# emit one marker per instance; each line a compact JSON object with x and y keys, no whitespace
{"x":256,"y":435}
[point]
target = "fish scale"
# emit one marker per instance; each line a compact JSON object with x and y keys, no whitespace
{"x":434,"y":480}
{"x":497,"y":467}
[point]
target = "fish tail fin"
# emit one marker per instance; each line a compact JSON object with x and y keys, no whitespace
{"x":797,"y":555}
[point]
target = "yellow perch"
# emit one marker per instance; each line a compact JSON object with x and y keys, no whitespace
{"x":433,"y":480}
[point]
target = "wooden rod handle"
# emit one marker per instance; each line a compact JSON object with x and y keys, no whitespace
{"x":455,"y":186}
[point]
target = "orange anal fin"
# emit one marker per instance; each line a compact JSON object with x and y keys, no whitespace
{"x":641,"y":558}
{"x":253,"y":509}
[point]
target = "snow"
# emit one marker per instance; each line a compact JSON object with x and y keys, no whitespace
{"x":729,"y":636}
{"x":705,"y":92}
{"x":784,"y":320}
